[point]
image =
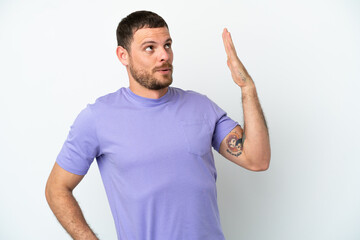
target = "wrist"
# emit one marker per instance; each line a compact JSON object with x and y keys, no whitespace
{"x":248,"y":92}
{"x":249,"y":87}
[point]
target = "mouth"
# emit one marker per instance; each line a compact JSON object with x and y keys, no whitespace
{"x":164,"y":70}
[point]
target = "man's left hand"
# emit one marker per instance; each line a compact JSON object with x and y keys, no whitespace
{"x":238,"y":71}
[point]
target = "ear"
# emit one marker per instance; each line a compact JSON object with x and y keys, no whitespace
{"x":123,"y":55}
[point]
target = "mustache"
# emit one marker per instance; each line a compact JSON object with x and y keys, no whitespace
{"x":165,"y":65}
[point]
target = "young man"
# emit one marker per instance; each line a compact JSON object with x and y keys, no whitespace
{"x":152,"y":143}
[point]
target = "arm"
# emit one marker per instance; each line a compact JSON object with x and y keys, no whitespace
{"x":59,"y":196}
{"x":254,"y":153}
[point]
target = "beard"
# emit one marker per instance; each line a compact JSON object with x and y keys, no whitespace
{"x":148,"y":80}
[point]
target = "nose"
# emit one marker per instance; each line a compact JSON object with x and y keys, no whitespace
{"x":164,"y":54}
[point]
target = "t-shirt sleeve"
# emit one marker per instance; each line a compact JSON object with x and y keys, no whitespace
{"x":223,"y":125}
{"x":81,"y":145}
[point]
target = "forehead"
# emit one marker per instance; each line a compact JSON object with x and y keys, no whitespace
{"x":153,"y":34}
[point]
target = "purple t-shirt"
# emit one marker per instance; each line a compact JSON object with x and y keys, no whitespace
{"x":155,"y":160}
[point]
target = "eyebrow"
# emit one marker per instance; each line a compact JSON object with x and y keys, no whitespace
{"x":153,"y":42}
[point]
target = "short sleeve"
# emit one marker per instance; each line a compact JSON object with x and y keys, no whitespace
{"x":81,"y":145}
{"x":224,"y":124}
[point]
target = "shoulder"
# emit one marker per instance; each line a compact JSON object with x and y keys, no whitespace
{"x":190,"y":94}
{"x":106,"y":100}
{"x":109,"y":97}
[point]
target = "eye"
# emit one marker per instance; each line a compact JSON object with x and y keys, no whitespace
{"x":149,"y":48}
{"x":168,"y":45}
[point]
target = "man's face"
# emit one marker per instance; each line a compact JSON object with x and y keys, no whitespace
{"x":150,"y":58}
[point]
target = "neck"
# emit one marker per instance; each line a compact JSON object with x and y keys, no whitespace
{"x":136,"y":88}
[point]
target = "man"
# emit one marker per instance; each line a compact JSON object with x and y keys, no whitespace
{"x":153,"y":144}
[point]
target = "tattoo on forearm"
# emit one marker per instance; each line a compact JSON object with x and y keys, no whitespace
{"x":235,"y":143}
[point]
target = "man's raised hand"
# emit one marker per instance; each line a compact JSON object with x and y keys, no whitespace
{"x":238,"y":71}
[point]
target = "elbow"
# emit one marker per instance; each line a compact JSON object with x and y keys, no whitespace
{"x":260,"y":168}
{"x":261,"y":165}
{"x":50,"y":192}
{"x":47,"y":192}
{"x":258,"y":159}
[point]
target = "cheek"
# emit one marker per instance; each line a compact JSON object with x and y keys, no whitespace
{"x":143,"y":62}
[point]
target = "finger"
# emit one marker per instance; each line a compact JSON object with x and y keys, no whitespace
{"x":225,"y":41}
{"x":229,"y":45}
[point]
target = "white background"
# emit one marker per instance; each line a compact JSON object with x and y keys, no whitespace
{"x":304,"y":56}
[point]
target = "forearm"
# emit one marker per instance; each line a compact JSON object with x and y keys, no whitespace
{"x":257,"y":144}
{"x":68,"y":212}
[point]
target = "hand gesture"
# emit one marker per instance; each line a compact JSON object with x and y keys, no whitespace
{"x":238,"y":71}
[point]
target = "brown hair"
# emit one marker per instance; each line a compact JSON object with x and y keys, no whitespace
{"x":135,"y":21}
